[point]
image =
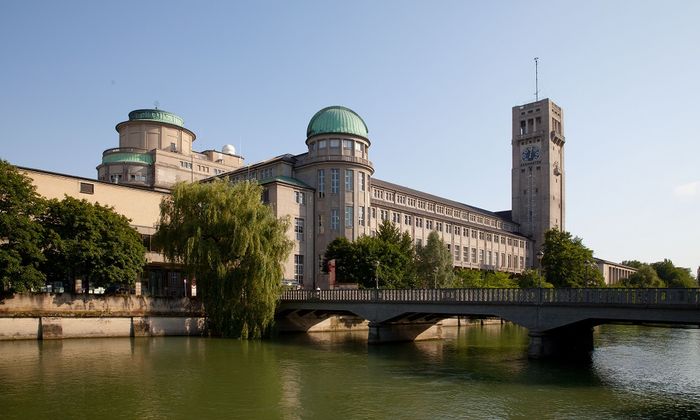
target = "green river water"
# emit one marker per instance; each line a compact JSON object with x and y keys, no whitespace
{"x":478,"y":372}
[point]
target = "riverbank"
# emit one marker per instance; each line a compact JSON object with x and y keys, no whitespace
{"x":47,"y":316}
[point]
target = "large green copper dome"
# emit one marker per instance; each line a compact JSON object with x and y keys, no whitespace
{"x":337,"y":119}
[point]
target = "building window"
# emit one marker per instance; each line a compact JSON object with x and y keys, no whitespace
{"x":465,"y":232}
{"x":458,"y":230}
{"x":349,"y":173}
{"x":347,"y":144}
{"x":419,"y":222}
{"x":396,"y":217}
{"x":503,"y":259}
{"x":374,"y":212}
{"x":522,"y":262}
{"x":299,"y":268}
{"x":438,"y":226}
{"x":361,"y":216}
{"x":322,"y":144}
{"x":490,"y":260}
{"x":335,"y":180}
{"x":115,"y":178}
{"x":86,"y":188}
{"x":419,"y":243}
{"x":299,"y":228}
{"x":265,"y":196}
{"x":383,"y":214}
{"x":407,"y":220}
{"x":474,"y":255}
{"x":300,"y":197}
{"x":321,"y":183}
{"x":429,"y":224}
{"x":474,"y":234}
{"x":481,"y":256}
{"x":334,"y":143}
{"x":481,"y":235}
{"x":335,"y":219}
{"x":465,"y":254}
{"x":495,"y":259}
{"x":362,"y":181}
{"x":457,"y":254}
{"x":448,"y":228}
{"x":348,"y":216}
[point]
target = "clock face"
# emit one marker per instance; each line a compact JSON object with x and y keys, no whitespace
{"x":531,"y":153}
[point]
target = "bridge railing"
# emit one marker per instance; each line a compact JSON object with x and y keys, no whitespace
{"x":607,"y":296}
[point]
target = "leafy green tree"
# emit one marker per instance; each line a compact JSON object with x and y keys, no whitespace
{"x":91,"y":242}
{"x":498,"y":280}
{"x":568,"y":263}
{"x":644,"y":277}
{"x":434,"y":263}
{"x":388,"y":257}
{"x":20,"y":233}
{"x":673,"y":276}
{"x":532,"y":279}
{"x":234,"y":245}
{"x":467,"y":278}
{"x":632,"y":263}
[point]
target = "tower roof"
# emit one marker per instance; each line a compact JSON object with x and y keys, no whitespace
{"x":156,"y":115}
{"x":337,"y":119}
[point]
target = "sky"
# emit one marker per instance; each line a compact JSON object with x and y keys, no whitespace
{"x":434,"y":81}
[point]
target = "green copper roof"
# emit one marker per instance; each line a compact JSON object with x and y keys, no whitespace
{"x":337,"y":119}
{"x":128,"y":157}
{"x":156,"y":115}
{"x":285,"y":179}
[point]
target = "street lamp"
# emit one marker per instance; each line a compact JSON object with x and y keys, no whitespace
{"x":376,"y":274}
{"x":539,"y":256}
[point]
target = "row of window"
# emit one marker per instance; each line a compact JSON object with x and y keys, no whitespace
{"x":357,"y":148}
{"x":433,"y":207}
{"x":489,"y":258}
{"x":349,"y":179}
{"x":446,"y":227}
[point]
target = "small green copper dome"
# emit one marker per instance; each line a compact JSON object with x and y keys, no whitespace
{"x":337,"y":119}
{"x":156,"y":115}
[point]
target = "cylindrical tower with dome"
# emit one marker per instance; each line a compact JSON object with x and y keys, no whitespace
{"x":337,"y":165}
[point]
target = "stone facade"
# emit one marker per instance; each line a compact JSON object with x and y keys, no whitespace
{"x":155,"y":150}
{"x":329,"y":191}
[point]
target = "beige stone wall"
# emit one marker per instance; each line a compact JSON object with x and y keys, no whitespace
{"x":141,"y":206}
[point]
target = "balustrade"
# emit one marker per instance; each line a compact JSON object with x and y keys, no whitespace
{"x":604,"y":297}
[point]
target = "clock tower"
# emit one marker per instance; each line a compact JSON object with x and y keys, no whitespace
{"x":538,"y":170}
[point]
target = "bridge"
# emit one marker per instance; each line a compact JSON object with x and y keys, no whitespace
{"x":559,"y":321}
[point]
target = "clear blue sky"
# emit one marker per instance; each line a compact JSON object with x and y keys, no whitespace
{"x":435,"y":82}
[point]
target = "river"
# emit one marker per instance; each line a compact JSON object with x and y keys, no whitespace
{"x":478,"y":372}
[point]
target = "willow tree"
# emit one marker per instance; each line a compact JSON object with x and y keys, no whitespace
{"x":233,"y":245}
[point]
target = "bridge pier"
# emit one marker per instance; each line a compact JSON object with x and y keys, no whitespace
{"x":573,"y":342}
{"x":403,"y":331}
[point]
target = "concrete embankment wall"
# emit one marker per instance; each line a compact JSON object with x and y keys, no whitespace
{"x":49,"y":316}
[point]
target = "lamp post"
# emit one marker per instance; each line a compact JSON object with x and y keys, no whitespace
{"x":376,"y":274}
{"x":539,"y":256}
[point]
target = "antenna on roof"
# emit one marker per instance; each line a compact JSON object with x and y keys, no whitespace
{"x":537,"y":89}
{"x":155,"y":104}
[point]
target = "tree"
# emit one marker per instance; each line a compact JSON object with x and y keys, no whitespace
{"x":644,"y":277}
{"x":387,"y":258}
{"x":532,"y":279}
{"x":91,"y":242}
{"x":632,"y":263}
{"x":234,"y":245}
{"x":20,"y":233}
{"x":568,"y":263}
{"x":673,"y":276}
{"x":434,"y":263}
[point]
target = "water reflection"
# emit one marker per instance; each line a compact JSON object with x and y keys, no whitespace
{"x":481,"y":372}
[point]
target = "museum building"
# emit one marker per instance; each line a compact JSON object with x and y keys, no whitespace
{"x":329,"y":191}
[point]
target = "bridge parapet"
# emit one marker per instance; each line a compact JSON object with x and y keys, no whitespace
{"x":545,"y":297}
